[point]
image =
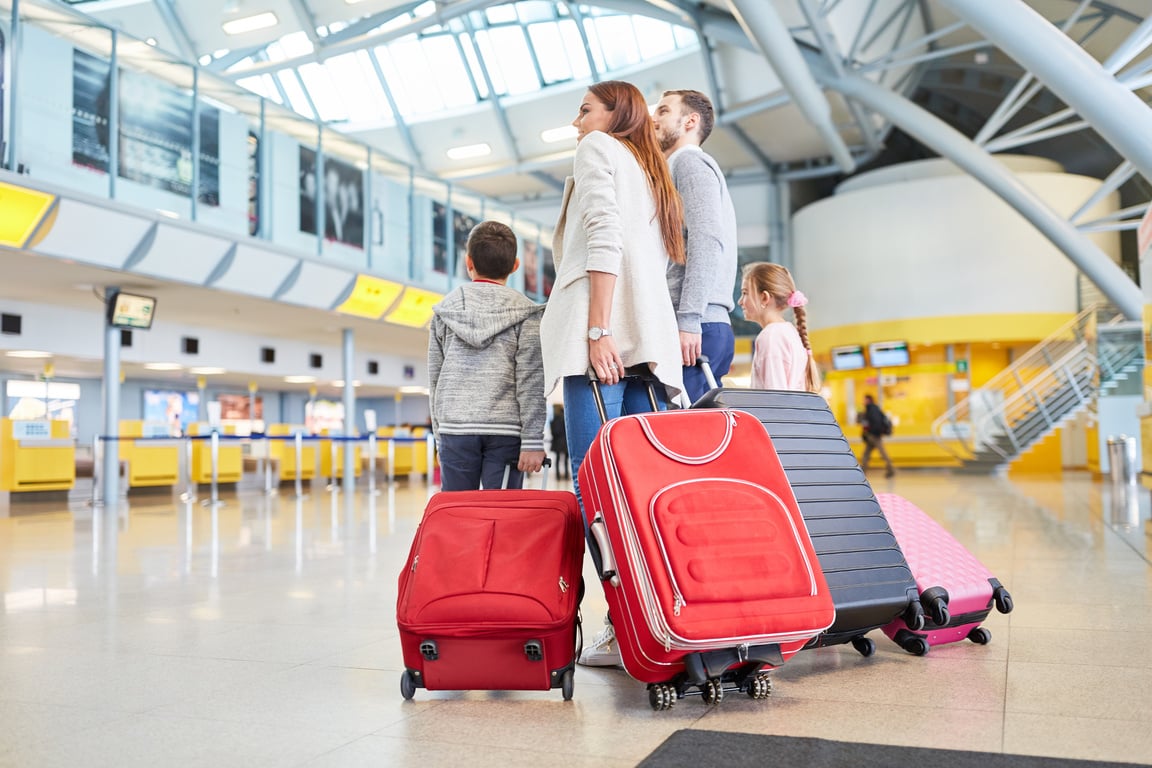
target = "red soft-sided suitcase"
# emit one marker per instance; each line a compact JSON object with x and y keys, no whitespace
{"x":957,"y":591}
{"x":489,"y":595}
{"x":709,"y":572}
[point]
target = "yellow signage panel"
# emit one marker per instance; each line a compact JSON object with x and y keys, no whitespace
{"x":21,"y":211}
{"x":414,"y":309}
{"x":370,"y":297}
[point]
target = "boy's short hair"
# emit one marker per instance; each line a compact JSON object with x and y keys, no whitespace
{"x":492,"y":246}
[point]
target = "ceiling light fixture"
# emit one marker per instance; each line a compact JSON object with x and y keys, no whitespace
{"x":413,"y":390}
{"x":299,"y":379}
{"x":469,"y":151}
{"x":339,"y":384}
{"x":250,"y":23}
{"x":164,"y":366}
{"x":29,"y":354}
{"x":207,"y":371}
{"x":553,"y":135}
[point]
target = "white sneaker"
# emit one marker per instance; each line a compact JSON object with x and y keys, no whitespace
{"x":603,"y":651}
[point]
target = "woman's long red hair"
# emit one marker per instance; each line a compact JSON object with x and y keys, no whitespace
{"x":632,"y":125}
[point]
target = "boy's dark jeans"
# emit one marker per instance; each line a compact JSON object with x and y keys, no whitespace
{"x":466,"y":461}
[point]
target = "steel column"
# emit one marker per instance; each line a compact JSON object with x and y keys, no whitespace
{"x":110,"y":471}
{"x":1069,"y":71}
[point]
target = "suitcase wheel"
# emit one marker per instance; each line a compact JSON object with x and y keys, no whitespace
{"x":1003,"y":600}
{"x":712,"y":692}
{"x":760,"y":686}
{"x":916,"y":645}
{"x":980,"y":636}
{"x":407,"y":685}
{"x":567,"y":684}
{"x":864,"y":645}
{"x":661,"y":696}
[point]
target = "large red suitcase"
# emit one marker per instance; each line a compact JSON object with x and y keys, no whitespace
{"x":957,"y":591}
{"x":489,"y":595}
{"x":708,"y":569}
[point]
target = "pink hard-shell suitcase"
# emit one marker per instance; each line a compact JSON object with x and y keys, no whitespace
{"x":956,"y":590}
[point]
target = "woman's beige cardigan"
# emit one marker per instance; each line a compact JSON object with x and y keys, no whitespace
{"x":608,"y":224}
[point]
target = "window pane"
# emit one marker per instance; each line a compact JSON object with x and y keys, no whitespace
{"x":296,"y":44}
{"x":550,"y":52}
{"x":473,"y":64}
{"x":594,"y":44}
{"x":356,"y":82}
{"x":318,"y":80}
{"x":618,"y":41}
{"x":419,"y":83}
{"x":535,"y":10}
{"x":574,"y":45}
{"x":685,"y":38}
{"x":262,"y":85}
{"x":449,"y":70}
{"x":655,"y":37}
{"x":515,"y":60}
{"x":484,"y":43}
{"x":501,"y":14}
{"x":296,"y":98}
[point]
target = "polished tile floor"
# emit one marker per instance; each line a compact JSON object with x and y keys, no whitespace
{"x":261,"y":633}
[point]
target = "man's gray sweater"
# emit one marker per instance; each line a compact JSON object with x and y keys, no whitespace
{"x":702,"y":288}
{"x":485,"y":368}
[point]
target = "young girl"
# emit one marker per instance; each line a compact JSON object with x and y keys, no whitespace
{"x":783,"y":356}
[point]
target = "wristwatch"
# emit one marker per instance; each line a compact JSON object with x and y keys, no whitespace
{"x":595,"y":333}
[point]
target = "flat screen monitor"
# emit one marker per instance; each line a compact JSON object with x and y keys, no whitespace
{"x":131,"y":310}
{"x":888,"y":354}
{"x":848,"y":358}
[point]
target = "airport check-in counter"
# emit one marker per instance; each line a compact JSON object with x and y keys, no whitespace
{"x":153,"y":462}
{"x":333,"y":450}
{"x":283,"y":452}
{"x":36,"y":456}
{"x":409,"y":450}
{"x":230,"y":456}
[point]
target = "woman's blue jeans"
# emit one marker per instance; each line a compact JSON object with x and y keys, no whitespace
{"x":582,"y":420}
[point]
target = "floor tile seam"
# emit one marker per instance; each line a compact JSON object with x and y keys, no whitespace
{"x":1011,"y":710}
{"x":551,"y":754}
{"x":952,"y":707}
{"x":1067,"y":664}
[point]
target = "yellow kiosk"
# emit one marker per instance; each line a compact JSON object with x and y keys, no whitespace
{"x":283,"y":452}
{"x":36,"y":456}
{"x":151,"y":463}
{"x":230,"y":457}
{"x":326,"y":455}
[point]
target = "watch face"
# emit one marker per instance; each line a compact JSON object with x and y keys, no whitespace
{"x":595,"y":333}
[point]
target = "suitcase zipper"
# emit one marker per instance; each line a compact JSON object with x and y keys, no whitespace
{"x":563,"y":585}
{"x":415,"y":562}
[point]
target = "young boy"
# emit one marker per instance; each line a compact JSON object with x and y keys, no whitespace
{"x":486,"y":371}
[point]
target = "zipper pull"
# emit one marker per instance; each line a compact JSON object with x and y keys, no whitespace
{"x":415,"y":562}
{"x":563,"y":585}
{"x":677,"y":603}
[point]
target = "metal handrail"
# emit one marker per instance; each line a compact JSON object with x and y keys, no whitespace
{"x":1065,"y":359}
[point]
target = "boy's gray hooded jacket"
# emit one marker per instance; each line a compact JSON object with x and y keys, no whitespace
{"x":485,"y":368}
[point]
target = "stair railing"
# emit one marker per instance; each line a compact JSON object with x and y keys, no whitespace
{"x":986,"y":420}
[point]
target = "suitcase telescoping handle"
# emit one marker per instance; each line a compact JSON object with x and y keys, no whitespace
{"x":598,"y":396}
{"x":607,"y":562}
{"x":705,"y":365}
{"x":543,"y":475}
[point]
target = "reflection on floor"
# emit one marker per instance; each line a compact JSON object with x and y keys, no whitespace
{"x":262,"y":632}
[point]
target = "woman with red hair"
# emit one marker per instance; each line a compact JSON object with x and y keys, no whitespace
{"x":610,"y":310}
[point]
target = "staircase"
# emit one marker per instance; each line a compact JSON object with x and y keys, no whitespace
{"x":1054,"y":381}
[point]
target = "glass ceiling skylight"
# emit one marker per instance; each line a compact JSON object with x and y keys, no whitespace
{"x":519,"y":48}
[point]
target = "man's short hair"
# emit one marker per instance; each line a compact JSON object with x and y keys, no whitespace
{"x":492,"y":246}
{"x":694,"y":101}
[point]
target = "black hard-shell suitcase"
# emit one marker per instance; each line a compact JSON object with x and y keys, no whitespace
{"x":870,"y":580}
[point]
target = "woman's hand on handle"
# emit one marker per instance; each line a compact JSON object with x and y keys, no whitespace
{"x":605,"y":360}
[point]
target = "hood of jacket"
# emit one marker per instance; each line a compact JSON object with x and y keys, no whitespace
{"x":478,"y":312}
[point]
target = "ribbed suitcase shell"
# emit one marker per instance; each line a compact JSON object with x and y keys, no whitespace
{"x":489,"y":571}
{"x":939,"y":561}
{"x":870,"y":581}
{"x":709,"y":549}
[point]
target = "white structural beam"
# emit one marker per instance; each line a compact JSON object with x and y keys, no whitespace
{"x":1069,"y":71}
{"x":953,"y":145}
{"x":763,"y":25}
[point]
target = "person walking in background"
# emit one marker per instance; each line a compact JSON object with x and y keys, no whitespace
{"x":782,"y":358}
{"x":876,"y":425}
{"x":610,"y":311}
{"x":486,"y":380}
{"x":559,"y":441}
{"x":701,"y":288}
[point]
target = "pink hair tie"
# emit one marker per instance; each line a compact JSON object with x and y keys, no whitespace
{"x":797,"y":299}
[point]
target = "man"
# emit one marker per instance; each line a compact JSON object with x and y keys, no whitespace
{"x":701,"y":288}
{"x":875,"y":426}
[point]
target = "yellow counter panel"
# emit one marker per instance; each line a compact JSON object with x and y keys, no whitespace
{"x":36,"y":456}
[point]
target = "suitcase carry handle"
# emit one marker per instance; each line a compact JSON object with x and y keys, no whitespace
{"x":543,"y":476}
{"x":607,"y":560}
{"x":598,"y":396}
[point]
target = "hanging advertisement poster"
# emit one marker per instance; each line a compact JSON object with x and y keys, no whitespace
{"x":155,"y":146}
{"x":90,"y":111}
{"x":343,"y":199}
{"x":439,"y":238}
{"x":462,"y":225}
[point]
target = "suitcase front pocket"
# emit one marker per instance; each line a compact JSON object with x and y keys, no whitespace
{"x":725,"y":540}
